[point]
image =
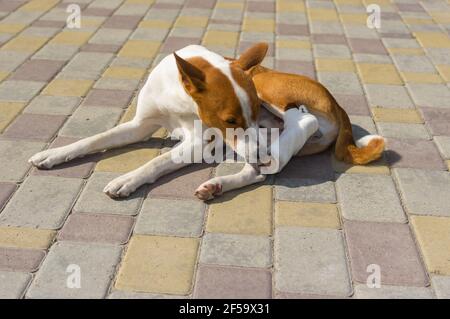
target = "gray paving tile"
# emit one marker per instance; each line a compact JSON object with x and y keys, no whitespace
{"x":13,"y":284}
{"x":305,"y":190}
{"x":392,"y":292}
{"x":19,"y":91}
{"x":54,"y":105}
{"x":441,"y":286}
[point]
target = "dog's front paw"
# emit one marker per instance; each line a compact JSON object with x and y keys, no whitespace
{"x":49,"y":158}
{"x":121,"y":186}
{"x":208,"y":190}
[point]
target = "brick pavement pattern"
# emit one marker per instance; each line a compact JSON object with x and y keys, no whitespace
{"x":317,"y":229}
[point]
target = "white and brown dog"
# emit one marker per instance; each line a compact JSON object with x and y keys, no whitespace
{"x":197,"y":84}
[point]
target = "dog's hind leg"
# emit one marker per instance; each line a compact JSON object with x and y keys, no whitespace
{"x":123,"y":134}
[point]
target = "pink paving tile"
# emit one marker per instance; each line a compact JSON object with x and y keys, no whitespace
{"x":390,"y":16}
{"x":215,"y":282}
{"x":10,"y":5}
{"x":410,"y":7}
{"x":104,"y":48}
{"x":297,"y":67}
{"x":49,"y":24}
{"x":181,"y":183}
{"x":244,"y":45}
{"x":77,"y":168}
{"x":122,"y":22}
{"x":412,"y":153}
{"x":437,"y":120}
{"x":163,"y":5}
{"x":37,"y":127}
{"x":224,"y":21}
{"x":396,"y":35}
{"x":102,"y":228}
{"x":64,"y":5}
{"x":27,"y":260}
{"x":37,"y":70}
{"x":389,"y":245}
{"x":6,"y":189}
{"x":258,"y":6}
{"x":288,"y":295}
{"x":109,"y":98}
{"x":370,"y":46}
{"x":316,"y":166}
{"x":292,"y":29}
{"x":353,"y":104}
{"x":100,"y":12}
{"x":200,"y":4}
{"x":328,"y":39}
{"x":175,"y":43}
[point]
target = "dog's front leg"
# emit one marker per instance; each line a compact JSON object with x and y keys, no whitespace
{"x":124,"y":185}
{"x":216,"y":186}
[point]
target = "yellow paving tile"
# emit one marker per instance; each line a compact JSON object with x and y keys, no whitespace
{"x":417,"y":21}
{"x":293,"y":44}
{"x":322,"y":14}
{"x":25,"y":43}
{"x":140,"y":1}
{"x":351,"y":2}
{"x":191,"y":22}
{"x":377,"y":167}
{"x":306,"y":215}
{"x":433,"y":39}
{"x":420,"y":77}
{"x":72,"y":37}
{"x":126,"y":159}
{"x":384,"y":3}
{"x":290,"y":6}
{"x":221,"y":38}
{"x":8,"y":112}
{"x":354,"y":18}
{"x":158,"y":265}
{"x":246,"y":211}
{"x":406,"y":51}
{"x":441,"y":17}
{"x":258,"y":25}
{"x":62,"y":87}
{"x":396,"y":115}
{"x":335,"y":65}
{"x":444,"y":71}
{"x":11,"y":28}
{"x":160,"y":24}
{"x":229,"y":5}
{"x":91,"y":22}
{"x":130,"y":112}
{"x":378,"y":73}
{"x":124,"y":73}
{"x":433,"y":236}
{"x":139,"y":49}
{"x":448,"y":165}
{"x":26,"y":237}
{"x":3,"y":75}
{"x":39,"y":5}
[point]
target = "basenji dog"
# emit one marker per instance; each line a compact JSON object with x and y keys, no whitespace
{"x":196,"y":84}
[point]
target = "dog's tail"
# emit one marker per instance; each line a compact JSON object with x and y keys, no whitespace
{"x":365,"y":150}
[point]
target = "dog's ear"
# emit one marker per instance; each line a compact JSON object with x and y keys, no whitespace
{"x":252,"y":56}
{"x":192,"y":77}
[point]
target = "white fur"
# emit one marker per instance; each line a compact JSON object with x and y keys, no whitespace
{"x":365,"y":140}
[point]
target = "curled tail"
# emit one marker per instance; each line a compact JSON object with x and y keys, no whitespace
{"x":363,"y":151}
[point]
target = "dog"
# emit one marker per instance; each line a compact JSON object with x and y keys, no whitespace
{"x":196,"y":84}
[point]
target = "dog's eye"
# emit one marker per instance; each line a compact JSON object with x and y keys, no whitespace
{"x":231,"y":120}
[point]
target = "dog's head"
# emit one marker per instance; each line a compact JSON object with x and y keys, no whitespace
{"x":226,"y":96}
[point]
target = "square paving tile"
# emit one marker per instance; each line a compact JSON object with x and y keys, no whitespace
{"x":108,"y":98}
{"x":53,"y":105}
{"x":306,"y":214}
{"x":305,"y":190}
{"x":232,"y":283}
{"x":441,"y":285}
{"x":388,"y":245}
{"x":15,"y":259}
{"x":36,"y":127}
{"x":22,"y":237}
{"x":392,"y":292}
{"x":437,"y":120}
{"x":37,"y":70}
{"x":370,"y":46}
{"x":19,"y":91}
{"x":13,"y":284}
{"x":6,"y":190}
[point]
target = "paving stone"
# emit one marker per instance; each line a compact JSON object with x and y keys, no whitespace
{"x":41,"y":202}
{"x":139,"y":49}
{"x":20,"y":237}
{"x":311,"y":260}
{"x":236,"y":250}
{"x":14,"y":156}
{"x":6,"y":190}
{"x":392,"y":292}
{"x":53,"y":105}
{"x":13,"y":284}
{"x":334,"y":51}
{"x":118,"y":21}
{"x":414,"y":153}
{"x":341,"y":83}
{"x":64,"y":87}
{"x":441,"y":285}
{"x":242,"y":212}
{"x":101,"y":48}
{"x":388,"y":96}
{"x":443,"y":144}
{"x":215,"y":282}
{"x":317,"y":166}
{"x":370,"y":46}
{"x":172,"y":44}
{"x":379,"y":73}
{"x":397,"y":115}
{"x":424,"y":191}
{"x":127,"y":159}
{"x":19,"y":91}
{"x":437,"y":120}
{"x":99,"y":228}
{"x":25,"y":43}
{"x":388,"y":245}
{"x":108,"y":98}
{"x":88,"y":121}
{"x":25,"y":260}
{"x":430,"y":95}
{"x":96,"y":268}
{"x":411,"y":63}
{"x":93,"y":200}
{"x":306,"y":215}
{"x":71,"y":38}
{"x":183,"y":218}
{"x":305,"y":190}
{"x":117,"y":294}
{"x":37,"y":127}
{"x":86,"y":66}
{"x":369,"y":198}
{"x":158,"y":265}
{"x":182,"y":183}
{"x":106,"y":36}
{"x":403,"y":130}
{"x":37,"y":70}
{"x":58,"y":52}
{"x":353,"y":104}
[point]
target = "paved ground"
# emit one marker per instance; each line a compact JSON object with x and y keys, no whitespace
{"x":320,"y":228}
